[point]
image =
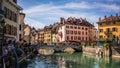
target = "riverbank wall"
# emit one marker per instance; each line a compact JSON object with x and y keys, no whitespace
{"x":101,"y":51}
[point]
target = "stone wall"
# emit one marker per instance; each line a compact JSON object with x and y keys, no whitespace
{"x":96,"y":50}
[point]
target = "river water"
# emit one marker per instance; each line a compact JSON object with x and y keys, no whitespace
{"x":65,"y":60}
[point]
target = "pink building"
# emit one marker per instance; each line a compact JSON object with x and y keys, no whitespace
{"x":74,"y":30}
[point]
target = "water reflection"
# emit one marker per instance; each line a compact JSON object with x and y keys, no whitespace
{"x":75,"y":60}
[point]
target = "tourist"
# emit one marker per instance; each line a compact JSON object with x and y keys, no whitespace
{"x":5,"y":55}
{"x":12,"y":54}
{"x":15,"y":53}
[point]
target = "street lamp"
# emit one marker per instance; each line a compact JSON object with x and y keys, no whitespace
{"x":2,"y":26}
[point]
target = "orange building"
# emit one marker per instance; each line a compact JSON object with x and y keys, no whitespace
{"x":41,"y":35}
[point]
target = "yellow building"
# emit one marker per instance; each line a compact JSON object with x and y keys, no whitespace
{"x":48,"y":35}
{"x":109,"y":27}
{"x":41,"y":35}
{"x":55,"y":33}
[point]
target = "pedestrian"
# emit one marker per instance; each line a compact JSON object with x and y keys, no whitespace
{"x":15,"y":54}
{"x":5,"y":55}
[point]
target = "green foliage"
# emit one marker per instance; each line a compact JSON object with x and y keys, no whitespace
{"x":84,"y":44}
{"x":92,"y":44}
{"x":106,"y":46}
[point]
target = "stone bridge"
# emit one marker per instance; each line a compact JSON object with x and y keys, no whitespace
{"x":60,"y":48}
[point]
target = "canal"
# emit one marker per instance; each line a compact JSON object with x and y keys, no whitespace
{"x":65,"y":60}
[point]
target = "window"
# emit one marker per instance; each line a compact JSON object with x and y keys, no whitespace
{"x":101,"y":30}
{"x":82,"y":28}
{"x":114,"y":36}
{"x":71,"y":37}
{"x":67,"y":31}
{"x":82,"y":33}
{"x":79,"y":32}
{"x":85,"y":28}
{"x":82,"y":38}
{"x":19,"y":27}
{"x":75,"y":32}
{"x":71,"y":32}
{"x":79,"y":38}
{"x":71,"y":26}
{"x":15,"y":17}
{"x":113,"y":29}
{"x":86,"y":38}
{"x":107,"y":29}
{"x":101,"y":36}
{"x":67,"y":26}
{"x":10,"y":13}
{"x":86,"y":33}
{"x":19,"y":36}
{"x":5,"y":12}
{"x":75,"y":27}
{"x":78,"y":27}
{"x":75,"y":38}
{"x":10,"y":29}
{"x":67,"y":37}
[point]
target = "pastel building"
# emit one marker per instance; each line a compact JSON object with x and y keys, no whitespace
{"x":41,"y":35}
{"x":48,"y":35}
{"x":96,"y":34}
{"x":109,"y":27}
{"x":11,"y":13}
{"x":74,"y":30}
{"x":21,"y":27}
{"x":27,"y":34}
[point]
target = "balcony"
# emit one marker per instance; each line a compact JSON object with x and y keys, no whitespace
{"x":108,"y":32}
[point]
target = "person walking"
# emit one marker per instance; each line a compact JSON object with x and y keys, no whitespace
{"x":15,"y":54}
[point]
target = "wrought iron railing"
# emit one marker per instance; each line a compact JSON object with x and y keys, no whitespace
{"x":108,"y":32}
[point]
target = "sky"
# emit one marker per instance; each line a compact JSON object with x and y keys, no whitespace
{"x":40,"y":13}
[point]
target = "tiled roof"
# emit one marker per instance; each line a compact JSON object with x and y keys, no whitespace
{"x":110,"y":18}
{"x":76,"y":21}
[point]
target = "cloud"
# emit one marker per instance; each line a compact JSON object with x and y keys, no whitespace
{"x":108,"y":7}
{"x":50,"y":13}
{"x":34,"y":23}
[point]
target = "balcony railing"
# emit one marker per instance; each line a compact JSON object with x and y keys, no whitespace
{"x":108,"y":32}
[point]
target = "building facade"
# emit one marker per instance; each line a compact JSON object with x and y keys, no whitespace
{"x":109,"y":27}
{"x":96,"y":35}
{"x":48,"y":35}
{"x":11,"y":13}
{"x":55,"y":33}
{"x":21,"y":27}
{"x":27,"y":34}
{"x":41,"y":35}
{"x":75,"y":30}
{"x":33,"y":36}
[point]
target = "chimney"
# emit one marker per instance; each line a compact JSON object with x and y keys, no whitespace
{"x":116,"y":14}
{"x":105,"y":17}
{"x":62,"y":20}
{"x":81,"y":20}
{"x":99,"y":18}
